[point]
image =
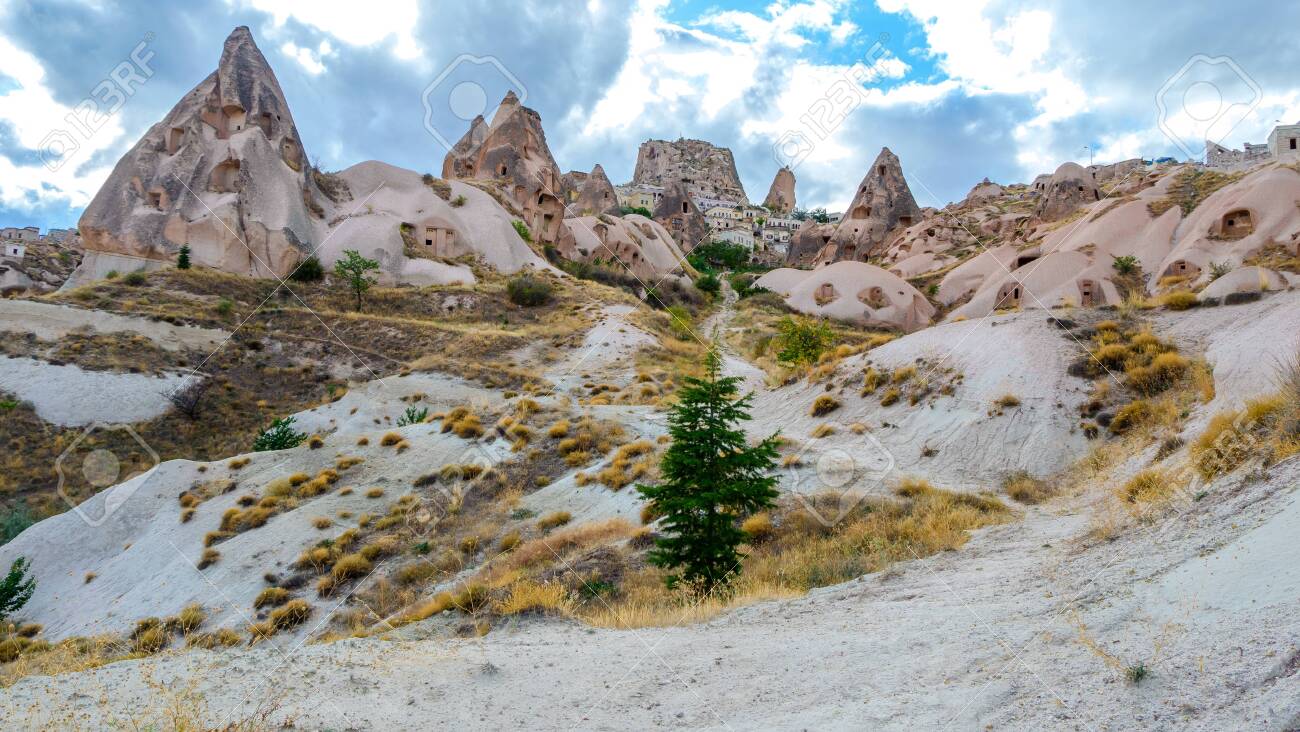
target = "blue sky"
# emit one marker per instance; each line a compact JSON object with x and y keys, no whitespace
{"x":959,"y":90}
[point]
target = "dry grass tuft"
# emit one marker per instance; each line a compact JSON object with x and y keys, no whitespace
{"x":824,"y":404}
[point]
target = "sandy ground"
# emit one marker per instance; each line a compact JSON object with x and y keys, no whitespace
{"x":1031,"y":626}
{"x":70,"y":396}
{"x":1000,"y":635}
{"x":49,"y":321}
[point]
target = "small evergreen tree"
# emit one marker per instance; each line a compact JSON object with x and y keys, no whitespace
{"x":355,"y":270}
{"x":279,"y":436}
{"x":183,"y":259}
{"x":16,"y":588}
{"x":712,"y":480}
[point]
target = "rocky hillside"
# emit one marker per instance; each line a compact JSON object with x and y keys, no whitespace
{"x":707,"y":170}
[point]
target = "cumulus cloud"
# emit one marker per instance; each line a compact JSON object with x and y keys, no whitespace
{"x":1000,"y":88}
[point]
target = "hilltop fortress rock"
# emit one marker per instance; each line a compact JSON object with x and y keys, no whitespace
{"x":707,"y":171}
{"x":882,"y":204}
{"x":224,"y":173}
{"x":780,"y":197}
{"x":511,"y":153}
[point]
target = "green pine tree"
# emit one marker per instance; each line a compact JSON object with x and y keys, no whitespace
{"x":183,"y":259}
{"x":16,"y":588}
{"x":712,"y":479}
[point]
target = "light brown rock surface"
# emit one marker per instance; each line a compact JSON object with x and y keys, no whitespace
{"x":1070,"y":187}
{"x":678,"y":214}
{"x":707,"y":170}
{"x":780,"y":196}
{"x":511,"y":154}
{"x":883,"y":202}
{"x":224,"y":172}
{"x":591,"y":193}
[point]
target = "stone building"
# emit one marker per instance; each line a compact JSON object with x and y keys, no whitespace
{"x":1283,"y":141}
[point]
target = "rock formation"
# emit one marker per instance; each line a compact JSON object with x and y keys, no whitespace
{"x":590,"y":193}
{"x":852,"y":291}
{"x":1070,"y":187}
{"x":807,"y":242}
{"x":639,"y":243}
{"x":780,"y":197}
{"x":678,"y":214}
{"x":708,"y":171}
{"x":882,"y":203}
{"x":224,"y":172}
{"x":511,"y":153}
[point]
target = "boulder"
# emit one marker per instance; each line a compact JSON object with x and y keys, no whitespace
{"x":807,"y":242}
{"x":591,"y":194}
{"x":224,"y":172}
{"x":1244,"y":279}
{"x":638,"y":243}
{"x":780,"y":196}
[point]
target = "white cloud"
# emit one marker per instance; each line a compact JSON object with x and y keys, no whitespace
{"x":354,"y":23}
{"x":311,"y":61}
{"x":41,"y":123}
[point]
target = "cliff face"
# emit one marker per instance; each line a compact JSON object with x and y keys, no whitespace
{"x":706,"y":170}
{"x":224,"y":172}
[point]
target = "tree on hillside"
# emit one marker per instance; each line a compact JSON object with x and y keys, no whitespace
{"x":802,"y":341}
{"x":183,"y":259}
{"x":712,"y":479}
{"x":16,"y":588}
{"x":355,"y":270}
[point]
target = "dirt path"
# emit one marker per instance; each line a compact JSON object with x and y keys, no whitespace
{"x":716,"y":327}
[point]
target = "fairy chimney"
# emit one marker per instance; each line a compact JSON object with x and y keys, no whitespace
{"x":882,"y":204}
{"x":224,"y":173}
{"x":511,"y":153}
{"x":780,"y":197}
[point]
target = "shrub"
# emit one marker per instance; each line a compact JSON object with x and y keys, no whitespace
{"x":758,"y":528}
{"x":350,"y":566}
{"x":522,"y":229}
{"x":14,"y":522}
{"x":134,"y":279}
{"x":1023,"y":487}
{"x":1131,"y":415}
{"x":308,"y":270}
{"x":279,"y":436}
{"x":890,"y":396}
{"x":190,"y":618}
{"x":680,"y":320}
{"x":1165,"y":371}
{"x":824,"y":404}
{"x":271,"y":597}
{"x":529,"y":291}
{"x":209,"y":558}
{"x":1126,"y":264}
{"x":291,"y":614}
{"x":709,"y":284}
{"x":554,"y":520}
{"x":183,"y":257}
{"x":413,"y":416}
{"x":802,"y":341}
{"x":1148,"y":486}
{"x":1006,"y":401}
{"x":1179,"y":300}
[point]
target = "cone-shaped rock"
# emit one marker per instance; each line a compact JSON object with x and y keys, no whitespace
{"x":780,"y":197}
{"x":511,"y":152}
{"x":224,"y":173}
{"x":882,"y":203}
